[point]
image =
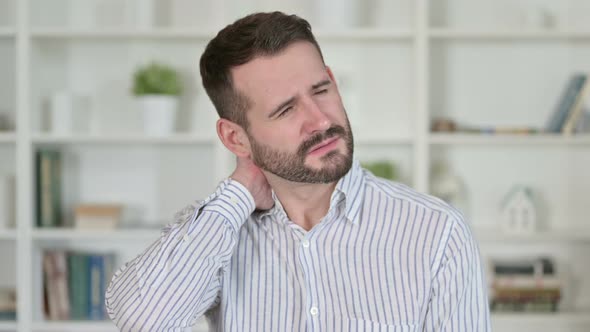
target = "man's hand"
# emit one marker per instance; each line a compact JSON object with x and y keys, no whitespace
{"x":251,"y":177}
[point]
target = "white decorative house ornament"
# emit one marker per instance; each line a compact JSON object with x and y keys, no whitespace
{"x":519,"y":215}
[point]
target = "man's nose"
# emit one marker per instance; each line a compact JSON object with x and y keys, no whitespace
{"x":315,"y":118}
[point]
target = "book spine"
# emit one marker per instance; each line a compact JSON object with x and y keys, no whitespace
{"x":78,"y":284}
{"x":48,"y":185}
{"x":577,"y":110}
{"x":96,"y":287}
{"x":56,"y":283}
{"x":44,"y":192}
{"x":56,"y":188}
{"x":565,"y":103}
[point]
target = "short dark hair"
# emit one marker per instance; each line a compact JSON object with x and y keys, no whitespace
{"x":258,"y":34}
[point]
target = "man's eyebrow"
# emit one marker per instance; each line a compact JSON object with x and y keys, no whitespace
{"x":320,"y":84}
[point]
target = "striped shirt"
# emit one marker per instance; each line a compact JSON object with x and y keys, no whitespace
{"x":384,"y":258}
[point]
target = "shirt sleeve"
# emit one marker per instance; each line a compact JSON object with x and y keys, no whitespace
{"x":459,"y":299}
{"x":178,"y":278}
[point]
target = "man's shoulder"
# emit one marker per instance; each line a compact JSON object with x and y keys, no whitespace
{"x":400,"y":192}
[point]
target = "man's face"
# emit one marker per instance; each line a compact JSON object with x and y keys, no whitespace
{"x":298,"y":129}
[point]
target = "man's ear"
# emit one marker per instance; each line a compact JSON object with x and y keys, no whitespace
{"x":331,"y":74}
{"x":234,"y":137}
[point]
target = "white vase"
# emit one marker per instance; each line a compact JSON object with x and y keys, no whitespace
{"x":144,"y":14}
{"x":69,"y":114}
{"x":159,"y":114}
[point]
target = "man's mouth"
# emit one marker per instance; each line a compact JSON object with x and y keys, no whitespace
{"x":325,"y":145}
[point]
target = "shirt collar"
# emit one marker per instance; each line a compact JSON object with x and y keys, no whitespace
{"x":350,"y":188}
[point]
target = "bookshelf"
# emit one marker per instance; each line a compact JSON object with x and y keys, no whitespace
{"x":444,"y":33}
{"x":7,"y":138}
{"x":90,"y":327}
{"x":8,"y":326}
{"x":8,"y":234}
{"x":443,"y":58}
{"x":538,"y":140}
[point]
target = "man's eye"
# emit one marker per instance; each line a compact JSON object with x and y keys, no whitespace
{"x":320,"y":92}
{"x":285,"y":111}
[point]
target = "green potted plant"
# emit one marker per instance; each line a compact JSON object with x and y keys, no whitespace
{"x":157,"y":87}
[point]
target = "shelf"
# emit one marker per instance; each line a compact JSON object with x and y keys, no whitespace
{"x":115,"y":235}
{"x":98,"y":326}
{"x":7,"y":32}
{"x":492,"y":235}
{"x":363,"y":34}
{"x":7,"y":234}
{"x":175,"y":33}
{"x":7,"y":137}
{"x":7,"y":325}
{"x":552,"y":318}
{"x":382,"y":140}
{"x":501,"y":139}
{"x":122,"y":33}
{"x":507,"y":34}
{"x":181,"y":139}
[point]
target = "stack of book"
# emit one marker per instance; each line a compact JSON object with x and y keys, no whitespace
{"x":525,"y":285}
{"x":7,"y":304}
{"x":75,"y":284}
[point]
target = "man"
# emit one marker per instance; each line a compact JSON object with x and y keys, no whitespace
{"x":299,"y":237}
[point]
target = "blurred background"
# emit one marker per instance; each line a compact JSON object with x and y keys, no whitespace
{"x":106,"y":132}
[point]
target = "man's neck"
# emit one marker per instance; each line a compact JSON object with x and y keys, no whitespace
{"x":305,"y":204}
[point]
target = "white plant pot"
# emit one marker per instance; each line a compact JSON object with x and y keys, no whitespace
{"x":69,"y":113}
{"x":159,"y":114}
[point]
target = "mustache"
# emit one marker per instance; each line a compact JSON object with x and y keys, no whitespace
{"x":333,"y":131}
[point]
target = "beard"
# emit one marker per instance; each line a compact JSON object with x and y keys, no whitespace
{"x":291,"y":166}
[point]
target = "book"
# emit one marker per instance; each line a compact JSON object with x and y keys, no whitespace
{"x":566,"y":103}
{"x":534,"y":306}
{"x":526,"y":282}
{"x":78,"y":285}
{"x":56,"y":285}
{"x":97,"y":216}
{"x":576,"y":111}
{"x":48,"y":188}
{"x":523,"y":295}
{"x":538,"y":267}
{"x":7,"y":304}
{"x":100,"y":269}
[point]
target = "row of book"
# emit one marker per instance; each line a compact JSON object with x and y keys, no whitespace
{"x":49,"y":199}
{"x":7,"y":304}
{"x":569,"y":114}
{"x":525,"y":285}
{"x":75,"y":284}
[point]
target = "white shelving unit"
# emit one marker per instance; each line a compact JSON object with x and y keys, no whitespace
{"x":479,"y":65}
{"x":180,"y":139}
{"x":7,"y":235}
{"x":491,"y":140}
{"x":89,"y":327}
{"x":7,"y":138}
{"x":508,"y":34}
{"x":7,"y":326}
